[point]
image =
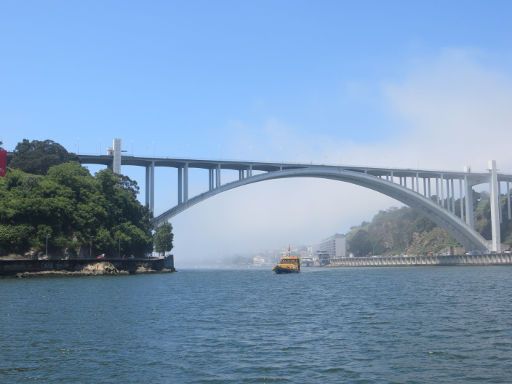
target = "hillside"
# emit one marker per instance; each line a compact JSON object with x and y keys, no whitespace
{"x":406,"y":231}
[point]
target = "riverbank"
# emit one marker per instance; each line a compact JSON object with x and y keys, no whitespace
{"x":85,"y":267}
{"x":408,"y":261}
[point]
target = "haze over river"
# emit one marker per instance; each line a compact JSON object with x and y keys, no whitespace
{"x":361,"y":325}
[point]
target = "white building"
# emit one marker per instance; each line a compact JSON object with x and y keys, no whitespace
{"x":258,"y":260}
{"x":335,"y":246}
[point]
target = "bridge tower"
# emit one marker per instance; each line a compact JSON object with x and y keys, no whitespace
{"x":116,"y":150}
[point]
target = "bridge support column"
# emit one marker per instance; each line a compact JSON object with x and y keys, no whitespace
{"x":217,"y":176}
{"x":470,"y":218}
{"x":180,"y":185}
{"x":152,"y":187}
{"x":461,"y":201}
{"x":147,"y":187}
{"x":210,"y":179}
{"x":508,"y":202}
{"x":495,"y":206}
{"x":443,"y":201}
{"x":499,"y":202}
{"x":448,"y":198}
{"x":116,"y":161}
{"x":249,"y":171}
{"x":185,"y":182}
{"x":240,"y":174}
{"x":452,"y":198}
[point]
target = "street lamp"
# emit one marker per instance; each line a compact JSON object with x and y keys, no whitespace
{"x":47,"y":236}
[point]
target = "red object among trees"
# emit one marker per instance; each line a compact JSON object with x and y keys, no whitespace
{"x":3,"y":162}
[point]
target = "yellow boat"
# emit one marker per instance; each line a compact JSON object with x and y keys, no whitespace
{"x":288,"y":264}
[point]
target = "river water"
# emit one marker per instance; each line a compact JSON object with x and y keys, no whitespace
{"x":361,"y":325}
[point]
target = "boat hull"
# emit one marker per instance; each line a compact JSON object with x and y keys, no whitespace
{"x":280,"y":270}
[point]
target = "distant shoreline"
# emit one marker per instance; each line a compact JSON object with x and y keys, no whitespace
{"x":84,"y":267}
{"x":408,"y":261}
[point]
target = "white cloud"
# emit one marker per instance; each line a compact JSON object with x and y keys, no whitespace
{"x":457,"y":111}
{"x":451,"y":110}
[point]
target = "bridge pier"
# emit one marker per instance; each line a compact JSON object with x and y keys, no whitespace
{"x":448,"y":196}
{"x":453,"y":196}
{"x":150,"y":186}
{"x":443,"y":200}
{"x":508,"y":202}
{"x":217,"y":176}
{"x":461,"y":201}
{"x":147,"y":186}
{"x":210,"y":179}
{"x":180,"y":185}
{"x":470,"y":218}
{"x":185,"y":182}
{"x":495,"y":207}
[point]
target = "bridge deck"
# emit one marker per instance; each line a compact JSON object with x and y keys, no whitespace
{"x":272,"y":166}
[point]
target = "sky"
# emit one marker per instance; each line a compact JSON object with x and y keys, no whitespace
{"x":423,"y":84}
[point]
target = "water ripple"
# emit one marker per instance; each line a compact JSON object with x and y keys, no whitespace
{"x":414,"y":325}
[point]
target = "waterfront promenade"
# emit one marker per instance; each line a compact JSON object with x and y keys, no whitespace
{"x":405,"y":261}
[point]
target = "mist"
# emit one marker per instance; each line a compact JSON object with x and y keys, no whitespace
{"x":448,"y":111}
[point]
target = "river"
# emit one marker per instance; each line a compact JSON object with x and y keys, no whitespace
{"x":353,"y":325}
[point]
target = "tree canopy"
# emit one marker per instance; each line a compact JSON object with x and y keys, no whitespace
{"x":37,"y":157}
{"x":79,"y":213}
{"x":163,"y":238}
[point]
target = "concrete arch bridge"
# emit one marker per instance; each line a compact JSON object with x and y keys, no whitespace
{"x":433,"y":192}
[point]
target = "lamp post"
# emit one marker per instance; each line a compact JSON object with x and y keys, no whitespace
{"x":47,"y":236}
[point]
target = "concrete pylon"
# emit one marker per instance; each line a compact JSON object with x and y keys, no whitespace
{"x":152,"y":187}
{"x":116,"y":152}
{"x":495,"y":207}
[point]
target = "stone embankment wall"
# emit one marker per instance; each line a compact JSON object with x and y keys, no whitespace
{"x":13,"y":267}
{"x":404,"y":261}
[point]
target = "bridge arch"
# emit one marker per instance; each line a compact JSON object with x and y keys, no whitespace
{"x":464,"y":234}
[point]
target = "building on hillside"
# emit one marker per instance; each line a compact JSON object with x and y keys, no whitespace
{"x":334,"y":247}
{"x":259,"y":260}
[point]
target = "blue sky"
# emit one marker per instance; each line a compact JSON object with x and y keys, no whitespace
{"x":177,"y":73}
{"x":326,"y":81}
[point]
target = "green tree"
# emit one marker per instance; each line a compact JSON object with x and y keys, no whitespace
{"x":163,"y":238}
{"x":129,"y":222}
{"x":360,"y":243}
{"x":37,"y":157}
{"x":81,"y":213}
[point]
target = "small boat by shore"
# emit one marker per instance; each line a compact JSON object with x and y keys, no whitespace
{"x":288,"y":264}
